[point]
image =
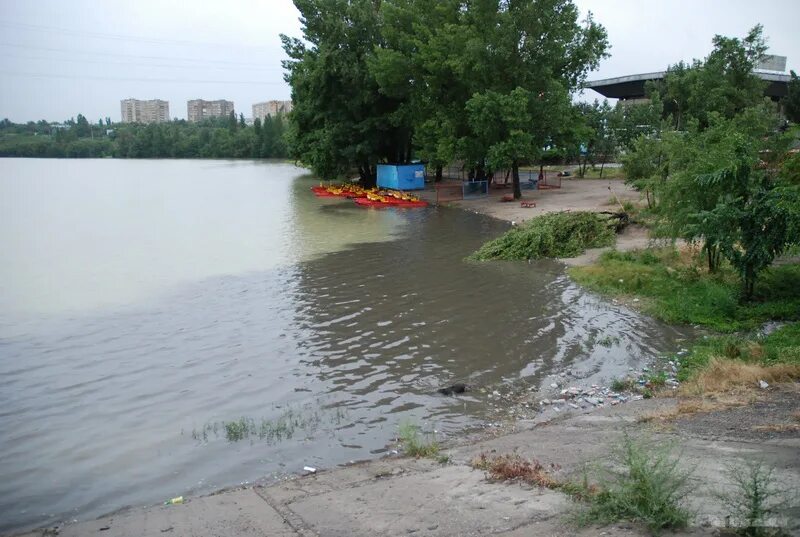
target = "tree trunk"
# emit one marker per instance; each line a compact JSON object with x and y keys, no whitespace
{"x":367,"y":175}
{"x":515,"y":173}
{"x":438,"y":174}
{"x":602,"y":165}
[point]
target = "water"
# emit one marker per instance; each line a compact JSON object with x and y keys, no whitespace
{"x":144,"y":303}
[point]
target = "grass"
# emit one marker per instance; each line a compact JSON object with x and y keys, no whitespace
{"x":415,"y":444}
{"x":676,"y":288}
{"x":625,"y":384}
{"x":272,"y":430}
{"x":736,"y":363}
{"x":647,"y":487}
{"x":565,"y":234}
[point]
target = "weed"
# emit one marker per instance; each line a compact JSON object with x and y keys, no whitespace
{"x":515,"y":467}
{"x":608,"y":341}
{"x":647,"y":489}
{"x":623,"y":384}
{"x":565,"y":234}
{"x":271,"y":430}
{"x":444,"y":458}
{"x":657,"y":380}
{"x":414,"y":444}
{"x":756,"y":500}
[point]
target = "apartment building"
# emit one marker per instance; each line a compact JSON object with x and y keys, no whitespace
{"x":137,"y":111}
{"x":198,"y":109}
{"x":271,"y":108}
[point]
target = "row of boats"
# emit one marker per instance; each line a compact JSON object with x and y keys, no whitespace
{"x":371,"y":197}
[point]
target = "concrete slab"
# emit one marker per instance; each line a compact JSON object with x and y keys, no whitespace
{"x":450,"y":501}
{"x":239,"y":512}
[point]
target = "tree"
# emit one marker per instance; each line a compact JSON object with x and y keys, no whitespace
{"x":82,"y":127}
{"x":242,"y":123}
{"x":791,"y":103}
{"x":599,"y":134}
{"x":723,"y":83}
{"x":529,"y":56}
{"x":341,"y":121}
{"x":728,"y":189}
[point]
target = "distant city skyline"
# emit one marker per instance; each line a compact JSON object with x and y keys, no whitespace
{"x":59,"y":59}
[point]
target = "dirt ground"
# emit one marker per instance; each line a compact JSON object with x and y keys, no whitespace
{"x":574,"y":195}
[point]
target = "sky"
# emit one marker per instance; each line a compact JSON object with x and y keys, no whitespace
{"x":59,"y":58}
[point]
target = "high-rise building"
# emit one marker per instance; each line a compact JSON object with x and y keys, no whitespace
{"x":198,"y":109}
{"x":271,"y":108}
{"x":136,"y":111}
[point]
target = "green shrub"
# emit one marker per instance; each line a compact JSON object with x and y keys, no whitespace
{"x":563,"y":234}
{"x":647,"y":488}
{"x":414,"y":444}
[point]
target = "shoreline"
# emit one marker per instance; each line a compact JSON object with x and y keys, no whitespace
{"x":592,"y":195}
{"x":377,"y":497}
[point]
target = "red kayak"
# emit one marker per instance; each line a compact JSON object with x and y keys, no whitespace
{"x":365,"y":202}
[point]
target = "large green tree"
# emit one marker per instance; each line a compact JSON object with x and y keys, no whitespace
{"x":525,"y":56}
{"x":723,"y":83}
{"x":341,"y":121}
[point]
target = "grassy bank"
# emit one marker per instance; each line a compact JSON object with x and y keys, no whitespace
{"x":672,"y":286}
{"x":565,"y":234}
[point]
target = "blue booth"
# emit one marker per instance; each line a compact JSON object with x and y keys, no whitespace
{"x":401,"y":176}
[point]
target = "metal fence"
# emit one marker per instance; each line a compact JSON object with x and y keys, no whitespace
{"x":475,"y":189}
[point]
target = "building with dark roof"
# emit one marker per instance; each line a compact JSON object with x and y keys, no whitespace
{"x":632,"y":87}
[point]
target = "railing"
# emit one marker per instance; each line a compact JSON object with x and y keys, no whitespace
{"x":475,"y":189}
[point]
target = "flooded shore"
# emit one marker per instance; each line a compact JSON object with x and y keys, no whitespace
{"x":174,"y":328}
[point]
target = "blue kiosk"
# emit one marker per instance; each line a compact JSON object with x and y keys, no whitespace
{"x":401,"y":176}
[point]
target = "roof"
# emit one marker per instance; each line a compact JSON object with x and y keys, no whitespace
{"x":632,"y":86}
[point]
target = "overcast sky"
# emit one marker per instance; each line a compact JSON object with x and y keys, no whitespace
{"x":59,"y":58}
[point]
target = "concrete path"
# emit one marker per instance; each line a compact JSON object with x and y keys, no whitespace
{"x":402,"y":496}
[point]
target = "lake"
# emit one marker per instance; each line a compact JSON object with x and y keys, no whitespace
{"x":174,"y":327}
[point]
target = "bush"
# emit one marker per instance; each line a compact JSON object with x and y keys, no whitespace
{"x":647,"y":489}
{"x":414,"y":444}
{"x":563,"y":234}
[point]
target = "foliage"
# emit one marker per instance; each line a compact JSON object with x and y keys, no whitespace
{"x":414,"y":444}
{"x":648,"y":488}
{"x":791,"y":103}
{"x":677,"y":290}
{"x":779,"y":347}
{"x":375,"y":81}
{"x":563,"y":234}
{"x":723,"y":83}
{"x":646,"y":167}
{"x":212,"y":138}
{"x":599,"y":136}
{"x":756,"y":499}
{"x":341,"y":121}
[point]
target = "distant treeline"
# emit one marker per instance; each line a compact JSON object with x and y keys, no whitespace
{"x":212,"y":138}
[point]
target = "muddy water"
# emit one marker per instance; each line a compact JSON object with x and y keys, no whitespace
{"x":173,"y":328}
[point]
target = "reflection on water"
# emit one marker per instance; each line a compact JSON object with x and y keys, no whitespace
{"x":264,"y":312}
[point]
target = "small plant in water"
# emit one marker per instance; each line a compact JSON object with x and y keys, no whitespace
{"x":284,"y":427}
{"x":647,"y":489}
{"x":608,"y":341}
{"x":413,"y":442}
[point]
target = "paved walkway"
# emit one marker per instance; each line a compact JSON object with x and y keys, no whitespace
{"x":402,"y":496}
